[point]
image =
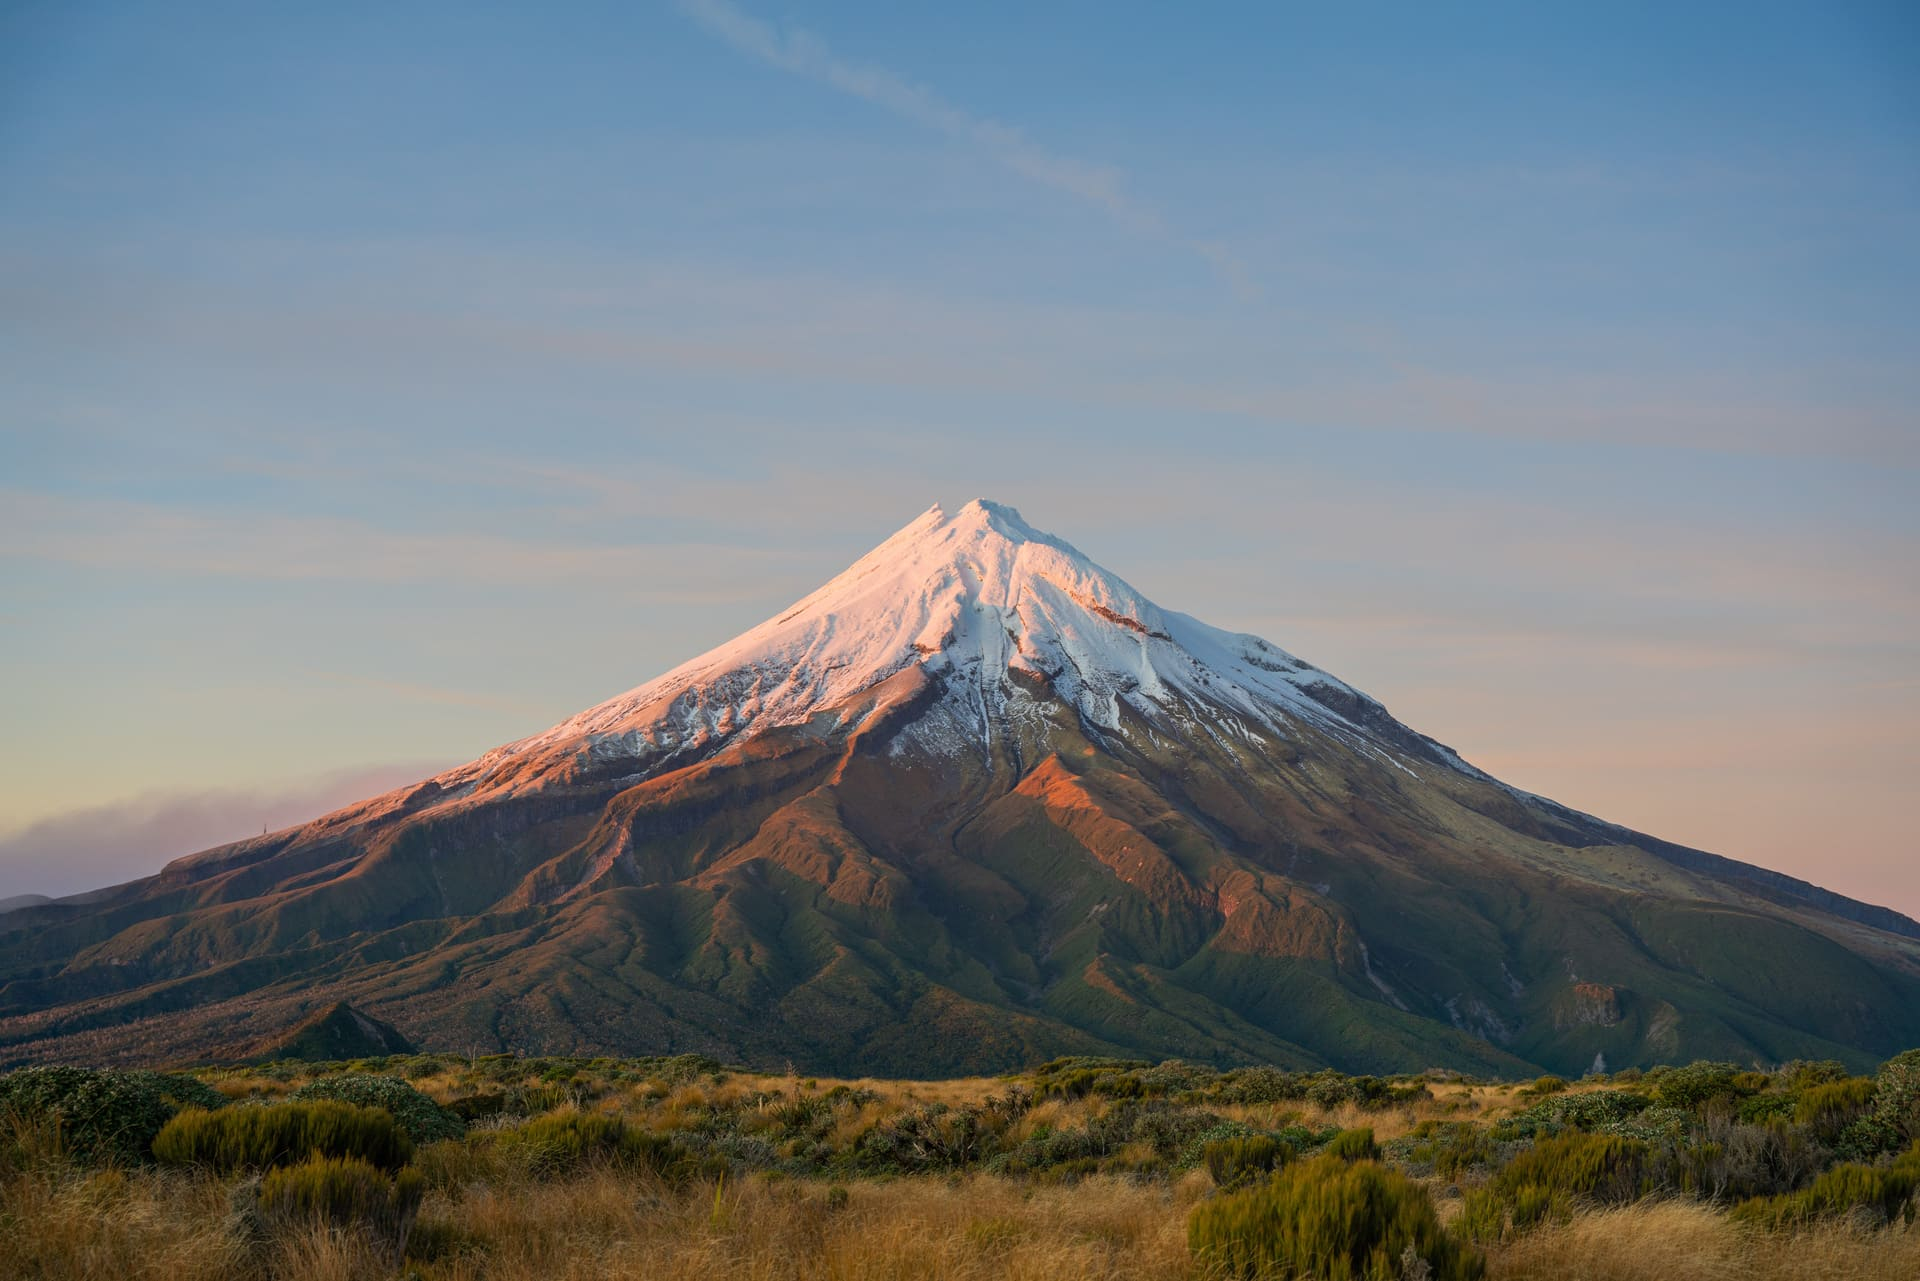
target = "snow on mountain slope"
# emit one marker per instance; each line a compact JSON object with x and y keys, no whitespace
{"x":980,"y":599}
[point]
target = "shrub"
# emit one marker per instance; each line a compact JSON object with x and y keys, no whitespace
{"x":1661,"y":1126}
{"x":1546,"y":1085}
{"x":344,"y":1193}
{"x":1332,"y":1219}
{"x":424,"y":1120}
{"x":1882,"y":1193}
{"x":1865,"y":1138}
{"x":1731,"y":1161}
{"x":181,"y":1091}
{"x":1760,"y":1109}
{"x":569,"y":1141}
{"x":1533,"y":1205}
{"x":1483,"y":1216}
{"x":932,"y":1138}
{"x":102,"y":1115}
{"x":1699,"y":1083}
{"x":453,"y":1165}
{"x":1353,"y":1145}
{"x":488,"y":1103}
{"x":1330,"y":1089}
{"x":1235,"y":1161}
{"x":1896,"y":1095}
{"x":1593,"y":1110}
{"x":1451,"y":1149}
{"x":560,"y":1143}
{"x":258,"y":1138}
{"x":1253,"y":1085}
{"x":1599,"y":1167}
{"x":1831,"y":1107}
{"x":1802,"y":1073}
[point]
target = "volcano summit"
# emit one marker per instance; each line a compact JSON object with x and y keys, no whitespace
{"x":973,"y":803}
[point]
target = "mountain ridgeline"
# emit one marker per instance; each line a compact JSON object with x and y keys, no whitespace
{"x":973,"y":804}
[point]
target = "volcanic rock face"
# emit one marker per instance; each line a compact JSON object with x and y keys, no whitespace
{"x":974,"y":802}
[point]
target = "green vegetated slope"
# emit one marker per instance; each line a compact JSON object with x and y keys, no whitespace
{"x":845,"y":903}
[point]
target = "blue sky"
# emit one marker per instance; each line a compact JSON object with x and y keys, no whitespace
{"x":381,"y":383}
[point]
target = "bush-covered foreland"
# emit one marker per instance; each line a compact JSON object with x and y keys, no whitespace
{"x":434,"y":1166}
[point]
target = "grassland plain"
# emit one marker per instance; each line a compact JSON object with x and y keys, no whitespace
{"x":435,"y":1166}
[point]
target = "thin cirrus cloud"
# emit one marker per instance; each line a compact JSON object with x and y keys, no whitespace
{"x":696,"y":324}
{"x":111,"y":533}
{"x":801,"y":53}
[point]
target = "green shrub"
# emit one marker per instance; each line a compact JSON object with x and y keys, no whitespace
{"x":1451,"y":1148}
{"x":1831,"y":1107}
{"x":561,"y":1143}
{"x":1896,"y":1096}
{"x":1883,"y":1193}
{"x":102,"y":1116}
{"x":1235,"y":1161}
{"x":1728,"y":1161}
{"x":182,"y":1091}
{"x":1761,"y":1109}
{"x":1699,"y":1083}
{"x":1330,"y":1219}
{"x":1802,"y":1073}
{"x":344,"y":1193}
{"x":1353,"y":1145}
{"x":454,"y":1165}
{"x":1605,"y":1168}
{"x":568,"y":1141}
{"x":1483,"y":1216}
{"x":1546,"y":1085}
{"x":258,"y":1138}
{"x":1865,"y":1138}
{"x":1533,"y":1205}
{"x":424,"y":1120}
{"x":1254,"y":1085}
{"x":1593,"y":1110}
{"x":488,"y":1103}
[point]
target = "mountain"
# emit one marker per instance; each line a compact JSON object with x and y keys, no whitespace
{"x":974,"y":803}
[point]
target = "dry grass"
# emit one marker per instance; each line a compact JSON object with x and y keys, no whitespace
{"x":668,"y":1108}
{"x":148,"y":1225}
{"x":168,"y":1226}
{"x":928,"y":1230}
{"x":492,"y":1222}
{"x":1674,"y":1241}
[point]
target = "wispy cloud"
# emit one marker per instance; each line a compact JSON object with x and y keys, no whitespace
{"x":801,"y":53}
{"x":104,"y":845}
{"x":113,"y":533}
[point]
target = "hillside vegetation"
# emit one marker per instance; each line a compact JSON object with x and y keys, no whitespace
{"x":434,"y":1166}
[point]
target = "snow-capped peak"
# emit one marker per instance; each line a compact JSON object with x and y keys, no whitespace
{"x":977,"y":599}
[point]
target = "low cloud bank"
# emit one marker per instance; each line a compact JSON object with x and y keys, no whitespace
{"x":105,"y":845}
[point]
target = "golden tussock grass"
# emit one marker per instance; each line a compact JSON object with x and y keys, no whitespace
{"x":146,"y":1225}
{"x":151,"y":1225}
{"x":1675,"y":1241}
{"x":918,"y":1229}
